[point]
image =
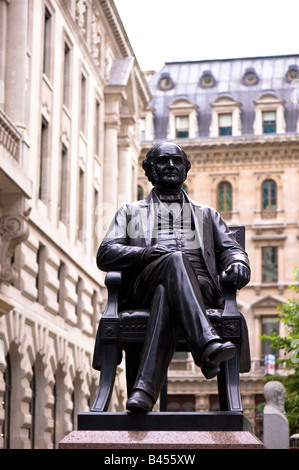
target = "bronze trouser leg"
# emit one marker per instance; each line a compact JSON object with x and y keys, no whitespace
{"x":170,"y":287}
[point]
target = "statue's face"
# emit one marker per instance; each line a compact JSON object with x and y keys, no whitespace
{"x":280,"y":398}
{"x":169,"y":167}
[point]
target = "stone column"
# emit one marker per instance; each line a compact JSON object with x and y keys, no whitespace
{"x":113,"y":98}
{"x":16,"y":63}
{"x":125,"y":175}
{"x":124,"y":163}
{"x":111,"y":165}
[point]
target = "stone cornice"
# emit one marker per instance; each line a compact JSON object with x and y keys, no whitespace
{"x":124,"y":45}
{"x":245,"y":151}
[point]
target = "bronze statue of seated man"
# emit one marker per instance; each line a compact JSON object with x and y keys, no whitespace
{"x":172,"y":251}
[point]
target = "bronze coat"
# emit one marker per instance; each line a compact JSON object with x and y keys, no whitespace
{"x":131,"y":232}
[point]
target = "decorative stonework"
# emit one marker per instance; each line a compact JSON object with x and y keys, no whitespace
{"x":13,"y":230}
{"x":81,"y":11}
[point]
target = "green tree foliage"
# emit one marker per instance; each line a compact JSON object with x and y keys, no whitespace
{"x":290,"y":346}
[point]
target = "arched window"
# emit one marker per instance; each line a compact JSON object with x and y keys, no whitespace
{"x":269,"y":195}
{"x":224,"y":196}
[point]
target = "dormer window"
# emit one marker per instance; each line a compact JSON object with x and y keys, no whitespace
{"x":269,"y":114}
{"x":183,"y":122}
{"x":226,"y":120}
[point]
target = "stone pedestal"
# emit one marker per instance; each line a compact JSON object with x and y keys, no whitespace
{"x":175,"y":440}
{"x":276,"y":431}
{"x":162,"y":430}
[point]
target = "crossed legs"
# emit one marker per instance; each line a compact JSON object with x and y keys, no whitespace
{"x":170,"y":288}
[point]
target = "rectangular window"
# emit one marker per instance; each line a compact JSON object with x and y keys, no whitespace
{"x":142,"y":130}
{"x":81,"y":205}
{"x":225,"y":124}
{"x":269,"y":195}
{"x":63,"y":185}
{"x":182,"y":126}
{"x":269,"y":324}
{"x":269,"y":122}
{"x":225,"y":197}
{"x":83,"y":104}
{"x":47,"y":43}
{"x":95,"y":219}
{"x":66,"y":75}
{"x":44,"y":159}
{"x":40,"y":277}
{"x":269,"y":264}
{"x":97,"y":129}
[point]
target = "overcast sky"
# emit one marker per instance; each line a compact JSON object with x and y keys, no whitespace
{"x":178,"y":30}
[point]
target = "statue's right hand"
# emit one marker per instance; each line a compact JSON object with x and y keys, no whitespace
{"x":154,"y":252}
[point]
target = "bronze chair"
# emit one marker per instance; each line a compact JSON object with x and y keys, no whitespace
{"x":125,"y":331}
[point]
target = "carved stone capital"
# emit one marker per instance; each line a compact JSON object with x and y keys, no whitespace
{"x":13,"y":230}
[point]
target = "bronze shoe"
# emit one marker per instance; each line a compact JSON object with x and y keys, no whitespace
{"x":213,"y":355}
{"x":140,"y":402}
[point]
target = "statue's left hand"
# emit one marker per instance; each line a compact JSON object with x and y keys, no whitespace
{"x":239,"y":273}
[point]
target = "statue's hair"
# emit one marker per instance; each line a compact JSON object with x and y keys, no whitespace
{"x":147,"y":163}
{"x":272,"y":387}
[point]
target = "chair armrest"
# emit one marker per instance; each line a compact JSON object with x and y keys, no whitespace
{"x":112,"y":281}
{"x":231,"y":318}
{"x":230,"y":296}
{"x":112,"y":278}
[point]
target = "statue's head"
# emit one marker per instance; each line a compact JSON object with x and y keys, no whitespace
{"x":166,"y":165}
{"x":275,"y":394}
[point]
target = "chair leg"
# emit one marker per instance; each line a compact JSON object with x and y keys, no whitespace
{"x":163,"y":397}
{"x":229,"y":385}
{"x":109,"y":358}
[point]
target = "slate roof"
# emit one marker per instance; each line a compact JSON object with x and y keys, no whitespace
{"x":228,"y":75}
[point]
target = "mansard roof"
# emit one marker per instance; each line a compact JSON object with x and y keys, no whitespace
{"x":244,"y":80}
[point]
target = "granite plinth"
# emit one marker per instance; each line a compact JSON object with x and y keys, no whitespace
{"x":160,"y":440}
{"x":164,"y":421}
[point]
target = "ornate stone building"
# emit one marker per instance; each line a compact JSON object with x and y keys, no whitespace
{"x":238,"y":122}
{"x":71,"y":97}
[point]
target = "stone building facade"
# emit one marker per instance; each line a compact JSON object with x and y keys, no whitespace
{"x":238,"y":122}
{"x":71,"y":98}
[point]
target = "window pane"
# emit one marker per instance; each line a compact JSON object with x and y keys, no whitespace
{"x":269,"y":116}
{"x":269,"y":325}
{"x":269,"y":122}
{"x":63,"y":196}
{"x":225,"y":197}
{"x":47,"y":43}
{"x":269,"y":194}
{"x":66,"y":75}
{"x":225,"y":124}
{"x":225,"y":120}
{"x":142,"y":129}
{"x":269,"y":264}
{"x":44,"y":162}
{"x":182,"y":126}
